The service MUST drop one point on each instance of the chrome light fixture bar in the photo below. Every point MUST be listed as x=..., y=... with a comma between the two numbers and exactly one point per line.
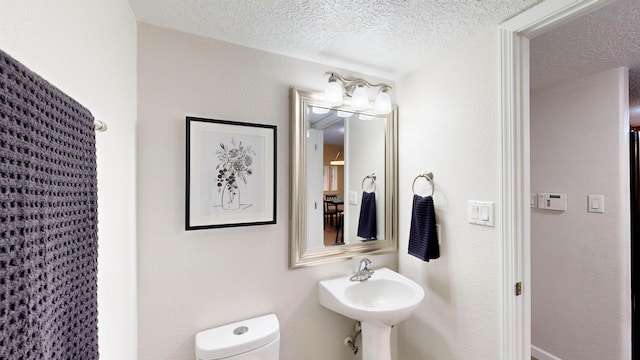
x=339, y=86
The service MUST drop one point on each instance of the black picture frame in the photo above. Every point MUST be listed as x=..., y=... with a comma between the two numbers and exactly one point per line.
x=231, y=170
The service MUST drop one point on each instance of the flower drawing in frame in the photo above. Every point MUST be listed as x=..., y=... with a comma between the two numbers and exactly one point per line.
x=235, y=164
x=231, y=174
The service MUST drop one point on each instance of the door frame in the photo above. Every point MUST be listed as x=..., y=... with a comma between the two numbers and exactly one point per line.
x=516, y=227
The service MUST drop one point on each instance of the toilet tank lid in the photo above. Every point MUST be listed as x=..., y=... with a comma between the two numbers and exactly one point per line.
x=237, y=338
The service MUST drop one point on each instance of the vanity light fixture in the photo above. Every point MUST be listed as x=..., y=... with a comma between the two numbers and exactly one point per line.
x=339, y=86
x=344, y=114
x=319, y=110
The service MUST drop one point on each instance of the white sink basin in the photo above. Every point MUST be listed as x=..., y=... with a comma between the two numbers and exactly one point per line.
x=385, y=299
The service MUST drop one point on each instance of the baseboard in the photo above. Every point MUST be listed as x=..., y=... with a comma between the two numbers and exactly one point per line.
x=542, y=355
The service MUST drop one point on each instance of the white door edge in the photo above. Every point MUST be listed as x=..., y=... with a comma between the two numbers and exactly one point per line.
x=514, y=63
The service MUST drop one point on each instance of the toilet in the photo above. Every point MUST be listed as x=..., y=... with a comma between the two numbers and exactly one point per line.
x=252, y=339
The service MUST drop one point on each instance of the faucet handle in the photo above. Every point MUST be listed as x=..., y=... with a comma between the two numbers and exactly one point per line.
x=364, y=263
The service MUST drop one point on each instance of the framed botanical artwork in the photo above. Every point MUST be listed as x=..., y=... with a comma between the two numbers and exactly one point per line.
x=231, y=174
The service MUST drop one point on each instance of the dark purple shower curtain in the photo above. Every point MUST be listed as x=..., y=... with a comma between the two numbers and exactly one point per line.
x=48, y=221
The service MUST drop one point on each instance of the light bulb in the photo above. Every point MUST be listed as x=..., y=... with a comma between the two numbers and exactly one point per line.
x=333, y=93
x=359, y=99
x=319, y=110
x=383, y=102
x=344, y=114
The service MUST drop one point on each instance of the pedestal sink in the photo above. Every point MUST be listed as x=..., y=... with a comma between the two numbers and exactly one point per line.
x=380, y=302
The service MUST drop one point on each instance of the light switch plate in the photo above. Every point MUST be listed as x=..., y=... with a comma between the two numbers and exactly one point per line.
x=595, y=204
x=481, y=213
x=353, y=198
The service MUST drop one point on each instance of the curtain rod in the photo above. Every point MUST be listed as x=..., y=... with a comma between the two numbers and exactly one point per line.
x=100, y=125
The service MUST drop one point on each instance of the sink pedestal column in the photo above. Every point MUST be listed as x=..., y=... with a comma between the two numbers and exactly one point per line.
x=376, y=342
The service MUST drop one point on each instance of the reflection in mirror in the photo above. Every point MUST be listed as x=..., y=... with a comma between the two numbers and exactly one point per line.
x=343, y=181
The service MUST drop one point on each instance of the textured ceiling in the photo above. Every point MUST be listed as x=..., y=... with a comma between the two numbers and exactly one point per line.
x=386, y=38
x=392, y=38
x=601, y=40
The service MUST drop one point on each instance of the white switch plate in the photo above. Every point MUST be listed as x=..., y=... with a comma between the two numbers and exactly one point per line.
x=353, y=198
x=481, y=213
x=595, y=204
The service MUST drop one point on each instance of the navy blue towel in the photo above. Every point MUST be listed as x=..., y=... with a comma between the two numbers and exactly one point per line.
x=423, y=238
x=367, y=225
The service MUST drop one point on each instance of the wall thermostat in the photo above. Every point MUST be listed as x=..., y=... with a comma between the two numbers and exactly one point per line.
x=552, y=201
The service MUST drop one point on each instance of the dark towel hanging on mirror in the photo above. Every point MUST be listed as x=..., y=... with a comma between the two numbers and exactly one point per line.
x=367, y=225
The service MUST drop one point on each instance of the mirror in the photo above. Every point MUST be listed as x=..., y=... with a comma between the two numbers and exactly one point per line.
x=341, y=162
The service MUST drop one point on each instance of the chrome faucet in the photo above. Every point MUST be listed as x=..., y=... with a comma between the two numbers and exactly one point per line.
x=364, y=272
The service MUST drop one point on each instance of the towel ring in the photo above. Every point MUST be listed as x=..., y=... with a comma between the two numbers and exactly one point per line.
x=429, y=177
x=371, y=177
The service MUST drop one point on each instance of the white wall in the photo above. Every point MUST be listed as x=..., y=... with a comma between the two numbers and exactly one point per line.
x=580, y=284
x=88, y=50
x=193, y=280
x=450, y=125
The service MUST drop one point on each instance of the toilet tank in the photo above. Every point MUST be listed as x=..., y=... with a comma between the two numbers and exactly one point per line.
x=252, y=339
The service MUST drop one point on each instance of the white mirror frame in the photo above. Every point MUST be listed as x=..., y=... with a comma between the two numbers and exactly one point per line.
x=299, y=255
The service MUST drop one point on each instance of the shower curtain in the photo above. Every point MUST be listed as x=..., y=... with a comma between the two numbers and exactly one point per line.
x=48, y=221
x=635, y=230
